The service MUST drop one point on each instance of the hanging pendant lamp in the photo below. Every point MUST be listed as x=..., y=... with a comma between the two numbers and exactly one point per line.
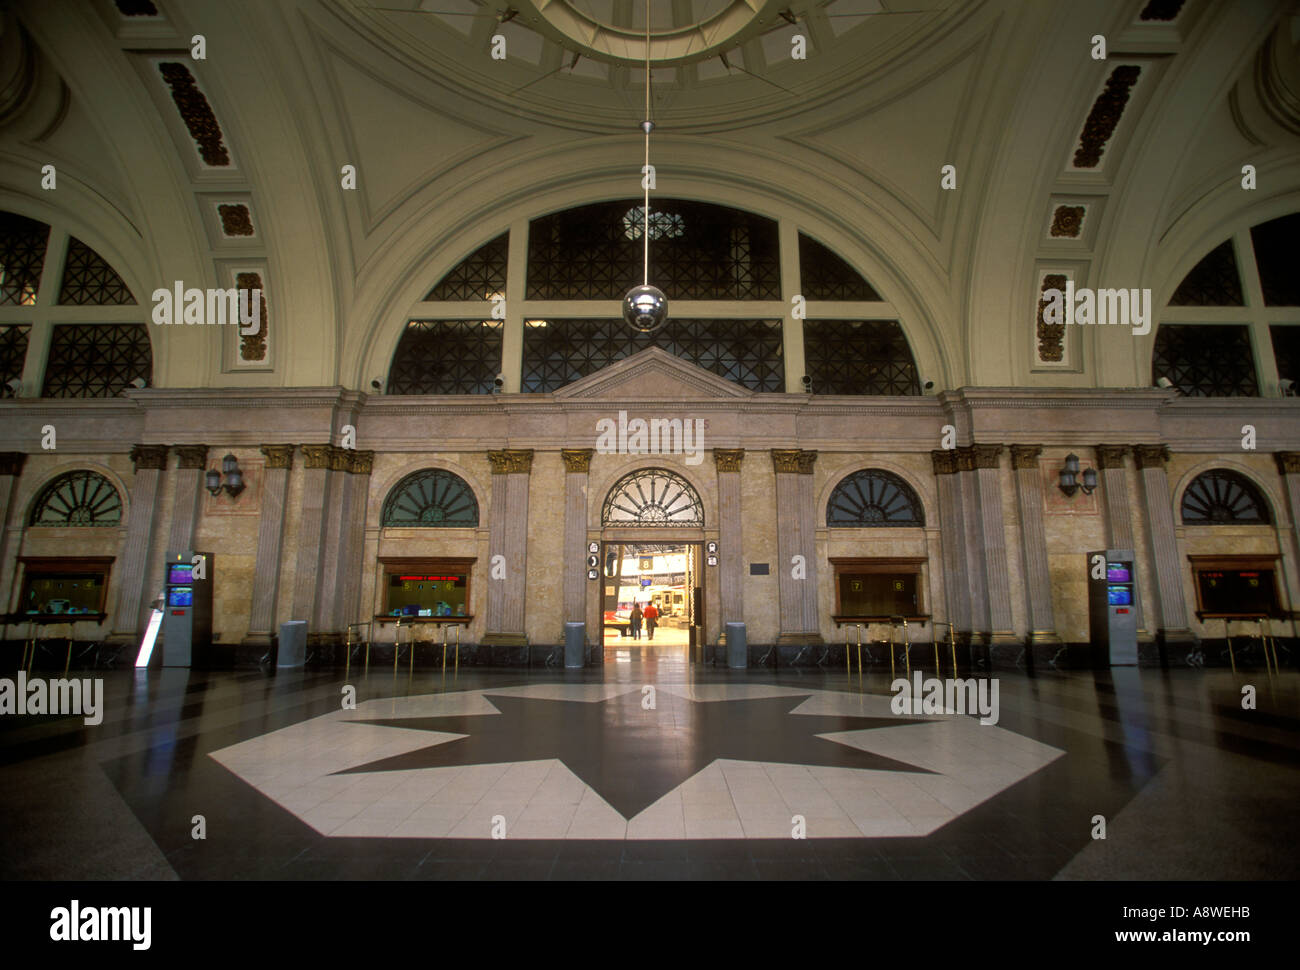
x=645, y=308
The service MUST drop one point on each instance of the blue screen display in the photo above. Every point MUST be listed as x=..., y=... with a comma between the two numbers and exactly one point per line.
x=180, y=596
x=1119, y=596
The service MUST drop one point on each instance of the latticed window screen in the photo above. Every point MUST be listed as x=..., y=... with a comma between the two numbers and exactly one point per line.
x=748, y=352
x=23, y=243
x=698, y=251
x=1221, y=496
x=13, y=355
x=859, y=357
x=447, y=357
x=653, y=497
x=433, y=499
x=479, y=276
x=1214, y=281
x=88, y=280
x=80, y=498
x=1275, y=254
x=824, y=276
x=97, y=359
x=1204, y=360
x=873, y=498
x=1286, y=350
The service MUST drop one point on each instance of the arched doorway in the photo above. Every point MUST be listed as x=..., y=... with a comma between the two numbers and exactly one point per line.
x=653, y=567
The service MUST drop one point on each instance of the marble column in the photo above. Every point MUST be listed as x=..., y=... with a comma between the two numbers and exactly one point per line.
x=191, y=465
x=135, y=589
x=731, y=553
x=993, y=541
x=1288, y=466
x=953, y=542
x=508, y=539
x=789, y=543
x=317, y=483
x=11, y=467
x=346, y=588
x=976, y=578
x=808, y=547
x=323, y=621
x=1033, y=541
x=270, y=543
x=1114, y=493
x=1172, y=626
x=577, y=467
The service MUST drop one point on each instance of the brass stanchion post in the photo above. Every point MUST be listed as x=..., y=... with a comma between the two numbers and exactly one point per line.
x=1231, y=657
x=457, y=670
x=859, y=626
x=952, y=642
x=397, y=644
x=891, y=649
x=907, y=649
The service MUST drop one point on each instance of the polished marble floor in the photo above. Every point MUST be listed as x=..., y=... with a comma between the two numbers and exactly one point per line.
x=651, y=768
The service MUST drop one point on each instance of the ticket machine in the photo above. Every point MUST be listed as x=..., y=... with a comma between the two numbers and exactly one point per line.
x=187, y=609
x=1112, y=606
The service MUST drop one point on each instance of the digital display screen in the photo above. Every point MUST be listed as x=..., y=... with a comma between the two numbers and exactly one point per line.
x=1119, y=596
x=1117, y=572
x=179, y=574
x=180, y=596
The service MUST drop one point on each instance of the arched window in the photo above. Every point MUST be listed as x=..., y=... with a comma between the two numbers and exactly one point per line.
x=62, y=323
x=431, y=499
x=75, y=499
x=700, y=253
x=873, y=498
x=1219, y=496
x=653, y=497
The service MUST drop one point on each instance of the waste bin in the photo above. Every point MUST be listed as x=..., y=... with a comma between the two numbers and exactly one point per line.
x=575, y=644
x=737, y=647
x=292, y=651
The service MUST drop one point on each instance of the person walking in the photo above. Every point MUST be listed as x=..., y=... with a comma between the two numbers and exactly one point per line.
x=651, y=614
x=636, y=621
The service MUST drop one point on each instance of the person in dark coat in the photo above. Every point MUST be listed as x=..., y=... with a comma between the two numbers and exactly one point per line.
x=636, y=621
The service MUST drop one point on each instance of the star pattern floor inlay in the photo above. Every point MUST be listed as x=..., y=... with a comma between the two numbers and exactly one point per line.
x=556, y=761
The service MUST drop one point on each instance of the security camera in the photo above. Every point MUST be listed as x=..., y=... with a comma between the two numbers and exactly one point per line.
x=139, y=383
x=1287, y=387
x=807, y=383
x=14, y=385
x=498, y=382
x=377, y=384
x=927, y=385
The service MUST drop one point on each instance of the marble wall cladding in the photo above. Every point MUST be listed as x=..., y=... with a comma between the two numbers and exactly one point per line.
x=1014, y=545
x=289, y=548
x=1073, y=528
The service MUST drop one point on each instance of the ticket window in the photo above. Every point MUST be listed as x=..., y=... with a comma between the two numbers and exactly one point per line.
x=878, y=594
x=1224, y=589
x=427, y=589
x=74, y=587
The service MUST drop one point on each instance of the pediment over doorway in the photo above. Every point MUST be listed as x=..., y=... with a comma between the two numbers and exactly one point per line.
x=653, y=374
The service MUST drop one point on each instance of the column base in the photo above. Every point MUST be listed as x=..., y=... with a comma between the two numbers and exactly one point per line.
x=255, y=641
x=1180, y=636
x=801, y=639
x=504, y=640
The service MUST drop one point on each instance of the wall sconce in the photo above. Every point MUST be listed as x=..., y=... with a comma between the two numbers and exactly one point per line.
x=234, y=478
x=1070, y=477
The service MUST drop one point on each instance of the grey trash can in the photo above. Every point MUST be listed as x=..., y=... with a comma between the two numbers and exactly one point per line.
x=575, y=644
x=737, y=647
x=292, y=651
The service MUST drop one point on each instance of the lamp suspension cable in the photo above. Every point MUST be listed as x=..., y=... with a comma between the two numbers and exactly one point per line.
x=645, y=172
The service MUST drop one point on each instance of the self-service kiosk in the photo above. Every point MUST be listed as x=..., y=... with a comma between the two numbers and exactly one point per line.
x=1112, y=606
x=187, y=609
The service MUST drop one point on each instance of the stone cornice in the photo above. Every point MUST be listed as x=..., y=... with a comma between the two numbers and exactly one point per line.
x=577, y=460
x=1111, y=456
x=1025, y=456
x=191, y=457
x=728, y=459
x=279, y=456
x=511, y=460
